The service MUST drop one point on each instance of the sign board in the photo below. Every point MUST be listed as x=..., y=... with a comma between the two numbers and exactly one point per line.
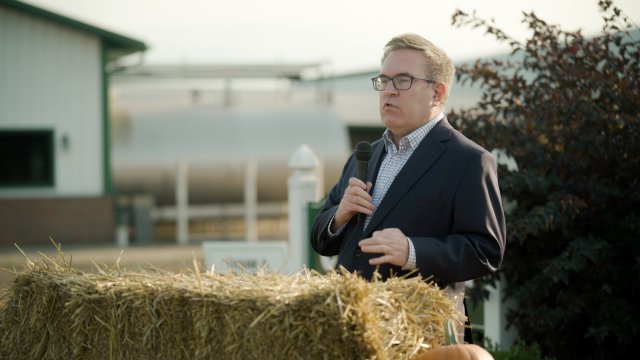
x=238, y=256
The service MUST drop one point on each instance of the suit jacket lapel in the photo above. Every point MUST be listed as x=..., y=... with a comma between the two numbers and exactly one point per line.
x=422, y=159
x=375, y=161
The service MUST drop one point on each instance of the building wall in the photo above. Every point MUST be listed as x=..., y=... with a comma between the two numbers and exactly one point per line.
x=50, y=78
x=76, y=220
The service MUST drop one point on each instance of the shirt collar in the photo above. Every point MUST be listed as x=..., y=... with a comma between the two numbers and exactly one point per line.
x=411, y=140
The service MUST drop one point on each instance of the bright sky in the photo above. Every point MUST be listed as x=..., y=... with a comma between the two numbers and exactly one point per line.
x=349, y=34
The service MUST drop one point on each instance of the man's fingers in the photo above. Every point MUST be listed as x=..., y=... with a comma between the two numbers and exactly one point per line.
x=358, y=192
x=386, y=259
x=362, y=202
x=376, y=249
x=394, y=259
x=390, y=243
x=357, y=187
x=357, y=203
x=356, y=198
x=357, y=183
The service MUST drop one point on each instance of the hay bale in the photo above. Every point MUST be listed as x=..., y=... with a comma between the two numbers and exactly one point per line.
x=56, y=312
x=3, y=351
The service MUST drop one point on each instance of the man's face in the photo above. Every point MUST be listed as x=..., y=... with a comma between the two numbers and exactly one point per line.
x=403, y=111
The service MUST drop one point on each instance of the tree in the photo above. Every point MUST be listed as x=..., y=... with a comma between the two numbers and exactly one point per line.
x=566, y=108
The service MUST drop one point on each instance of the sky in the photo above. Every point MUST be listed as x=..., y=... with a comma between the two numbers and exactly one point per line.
x=346, y=35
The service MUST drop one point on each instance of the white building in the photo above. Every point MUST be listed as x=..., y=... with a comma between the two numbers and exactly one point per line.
x=55, y=173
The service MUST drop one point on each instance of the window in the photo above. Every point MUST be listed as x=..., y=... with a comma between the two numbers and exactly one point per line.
x=364, y=133
x=26, y=158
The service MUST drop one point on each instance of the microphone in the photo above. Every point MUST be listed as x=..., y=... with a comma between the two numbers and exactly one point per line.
x=363, y=154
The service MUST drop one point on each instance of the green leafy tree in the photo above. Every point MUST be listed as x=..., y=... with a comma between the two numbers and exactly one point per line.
x=566, y=109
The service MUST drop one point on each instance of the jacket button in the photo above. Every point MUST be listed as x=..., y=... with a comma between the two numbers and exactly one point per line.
x=358, y=252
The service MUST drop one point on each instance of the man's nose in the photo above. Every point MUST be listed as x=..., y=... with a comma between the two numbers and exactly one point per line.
x=390, y=88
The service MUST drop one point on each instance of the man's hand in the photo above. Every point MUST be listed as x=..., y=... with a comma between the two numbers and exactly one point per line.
x=391, y=243
x=356, y=199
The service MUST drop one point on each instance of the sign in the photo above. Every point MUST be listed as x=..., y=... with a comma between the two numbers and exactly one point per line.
x=244, y=256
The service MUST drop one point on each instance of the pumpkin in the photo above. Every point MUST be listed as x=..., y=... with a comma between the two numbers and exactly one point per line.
x=454, y=350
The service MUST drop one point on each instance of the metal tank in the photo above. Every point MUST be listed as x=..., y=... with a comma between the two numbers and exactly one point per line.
x=217, y=143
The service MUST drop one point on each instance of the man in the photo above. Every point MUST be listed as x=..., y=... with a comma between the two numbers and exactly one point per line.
x=431, y=202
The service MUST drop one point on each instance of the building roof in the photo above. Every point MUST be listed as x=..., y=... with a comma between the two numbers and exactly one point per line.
x=220, y=71
x=117, y=45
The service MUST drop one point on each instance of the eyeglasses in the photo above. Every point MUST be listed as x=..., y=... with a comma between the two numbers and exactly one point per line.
x=400, y=82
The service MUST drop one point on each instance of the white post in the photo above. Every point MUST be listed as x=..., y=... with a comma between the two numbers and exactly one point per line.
x=122, y=235
x=302, y=184
x=122, y=228
x=251, y=201
x=495, y=324
x=182, y=202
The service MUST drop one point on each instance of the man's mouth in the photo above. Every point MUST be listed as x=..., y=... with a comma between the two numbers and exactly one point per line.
x=388, y=105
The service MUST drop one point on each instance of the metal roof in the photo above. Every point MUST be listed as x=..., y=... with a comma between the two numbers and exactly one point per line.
x=117, y=45
x=220, y=71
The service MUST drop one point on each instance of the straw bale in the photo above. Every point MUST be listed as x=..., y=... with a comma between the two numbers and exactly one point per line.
x=54, y=311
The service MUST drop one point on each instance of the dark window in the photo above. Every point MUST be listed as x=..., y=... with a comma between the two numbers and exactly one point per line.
x=364, y=133
x=26, y=158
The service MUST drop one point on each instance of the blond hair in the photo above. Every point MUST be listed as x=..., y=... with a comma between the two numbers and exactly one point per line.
x=439, y=66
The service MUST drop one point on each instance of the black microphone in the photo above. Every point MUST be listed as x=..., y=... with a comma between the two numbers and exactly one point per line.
x=363, y=154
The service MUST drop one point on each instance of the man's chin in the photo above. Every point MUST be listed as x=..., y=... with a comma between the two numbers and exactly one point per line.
x=390, y=122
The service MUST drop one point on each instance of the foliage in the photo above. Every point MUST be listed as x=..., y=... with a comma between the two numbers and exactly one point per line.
x=566, y=108
x=519, y=351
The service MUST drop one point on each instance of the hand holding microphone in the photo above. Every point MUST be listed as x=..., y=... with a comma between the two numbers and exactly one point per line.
x=356, y=198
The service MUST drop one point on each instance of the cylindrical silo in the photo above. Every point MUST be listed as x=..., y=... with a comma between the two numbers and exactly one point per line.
x=217, y=143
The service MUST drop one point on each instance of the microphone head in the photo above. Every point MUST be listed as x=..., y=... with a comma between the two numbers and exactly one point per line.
x=363, y=151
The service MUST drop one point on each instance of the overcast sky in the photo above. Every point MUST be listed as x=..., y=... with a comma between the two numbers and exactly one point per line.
x=348, y=34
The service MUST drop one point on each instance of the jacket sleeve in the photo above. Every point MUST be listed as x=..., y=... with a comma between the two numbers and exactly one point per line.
x=321, y=242
x=476, y=241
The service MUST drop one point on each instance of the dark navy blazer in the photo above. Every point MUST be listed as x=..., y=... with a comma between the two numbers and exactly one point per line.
x=446, y=199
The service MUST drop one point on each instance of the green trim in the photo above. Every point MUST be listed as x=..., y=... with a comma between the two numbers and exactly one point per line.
x=52, y=157
x=450, y=332
x=106, y=129
x=313, y=259
x=117, y=44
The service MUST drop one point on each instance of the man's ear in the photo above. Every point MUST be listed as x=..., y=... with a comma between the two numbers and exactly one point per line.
x=439, y=91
